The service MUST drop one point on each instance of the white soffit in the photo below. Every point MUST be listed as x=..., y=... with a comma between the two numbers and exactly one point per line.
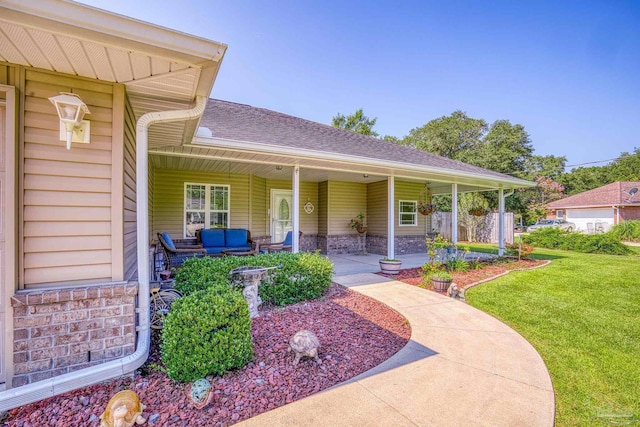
x=161, y=68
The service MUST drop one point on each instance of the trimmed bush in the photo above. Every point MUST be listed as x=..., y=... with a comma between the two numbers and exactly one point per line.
x=628, y=231
x=207, y=332
x=555, y=238
x=302, y=276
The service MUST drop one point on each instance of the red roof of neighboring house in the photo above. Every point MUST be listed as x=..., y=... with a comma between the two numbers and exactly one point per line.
x=614, y=194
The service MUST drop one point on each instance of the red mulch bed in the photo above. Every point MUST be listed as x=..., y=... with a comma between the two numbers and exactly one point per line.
x=413, y=276
x=356, y=333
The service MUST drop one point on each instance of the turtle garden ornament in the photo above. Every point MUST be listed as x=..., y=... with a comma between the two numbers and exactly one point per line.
x=304, y=343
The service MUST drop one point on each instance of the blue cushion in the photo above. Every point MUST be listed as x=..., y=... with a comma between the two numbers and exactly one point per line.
x=168, y=241
x=214, y=249
x=288, y=240
x=212, y=237
x=236, y=237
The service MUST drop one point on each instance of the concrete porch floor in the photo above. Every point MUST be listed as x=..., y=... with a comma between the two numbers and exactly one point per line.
x=347, y=264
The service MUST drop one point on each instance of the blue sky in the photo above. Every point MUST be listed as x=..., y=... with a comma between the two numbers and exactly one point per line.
x=568, y=71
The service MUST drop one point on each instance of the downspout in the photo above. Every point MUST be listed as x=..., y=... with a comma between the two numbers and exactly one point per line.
x=29, y=393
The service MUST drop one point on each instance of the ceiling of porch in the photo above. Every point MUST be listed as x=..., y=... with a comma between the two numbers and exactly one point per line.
x=279, y=167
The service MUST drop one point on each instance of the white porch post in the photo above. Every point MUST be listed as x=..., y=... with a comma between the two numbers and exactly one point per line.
x=391, y=218
x=454, y=213
x=501, y=222
x=391, y=231
x=295, y=201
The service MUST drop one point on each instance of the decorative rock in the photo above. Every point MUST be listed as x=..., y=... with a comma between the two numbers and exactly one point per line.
x=200, y=393
x=123, y=410
x=304, y=343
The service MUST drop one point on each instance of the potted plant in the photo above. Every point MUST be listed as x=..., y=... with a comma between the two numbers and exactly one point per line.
x=426, y=208
x=357, y=223
x=441, y=280
x=477, y=211
x=425, y=205
x=390, y=266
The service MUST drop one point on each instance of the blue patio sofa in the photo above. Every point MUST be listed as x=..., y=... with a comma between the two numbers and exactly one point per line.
x=216, y=240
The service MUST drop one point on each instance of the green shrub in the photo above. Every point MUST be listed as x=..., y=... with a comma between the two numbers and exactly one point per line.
x=554, y=238
x=206, y=333
x=457, y=264
x=628, y=231
x=301, y=276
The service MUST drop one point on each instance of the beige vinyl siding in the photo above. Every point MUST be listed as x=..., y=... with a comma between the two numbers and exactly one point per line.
x=346, y=200
x=168, y=200
x=67, y=192
x=409, y=191
x=259, y=219
x=129, y=195
x=377, y=208
x=309, y=193
x=322, y=207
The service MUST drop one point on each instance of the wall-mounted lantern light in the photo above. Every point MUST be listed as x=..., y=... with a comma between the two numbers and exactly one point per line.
x=71, y=110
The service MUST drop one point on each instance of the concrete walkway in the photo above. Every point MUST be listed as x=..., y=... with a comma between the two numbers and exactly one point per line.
x=461, y=367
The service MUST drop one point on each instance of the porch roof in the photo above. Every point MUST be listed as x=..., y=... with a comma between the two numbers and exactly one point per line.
x=162, y=69
x=269, y=136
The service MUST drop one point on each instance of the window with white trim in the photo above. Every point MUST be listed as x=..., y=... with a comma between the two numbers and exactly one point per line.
x=560, y=214
x=407, y=213
x=205, y=206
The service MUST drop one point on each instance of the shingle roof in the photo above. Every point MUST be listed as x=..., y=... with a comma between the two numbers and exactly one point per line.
x=616, y=193
x=240, y=122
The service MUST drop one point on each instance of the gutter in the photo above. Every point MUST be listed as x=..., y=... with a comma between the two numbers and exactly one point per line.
x=34, y=392
x=295, y=152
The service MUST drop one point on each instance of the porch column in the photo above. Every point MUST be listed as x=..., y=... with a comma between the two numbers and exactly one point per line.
x=391, y=218
x=295, y=201
x=454, y=213
x=501, y=222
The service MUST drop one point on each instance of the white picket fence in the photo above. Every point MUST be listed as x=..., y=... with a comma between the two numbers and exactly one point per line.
x=487, y=230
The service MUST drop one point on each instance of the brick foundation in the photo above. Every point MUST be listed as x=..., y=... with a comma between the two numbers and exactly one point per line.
x=60, y=331
x=403, y=244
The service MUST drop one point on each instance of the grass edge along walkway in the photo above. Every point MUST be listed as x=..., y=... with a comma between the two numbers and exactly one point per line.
x=582, y=314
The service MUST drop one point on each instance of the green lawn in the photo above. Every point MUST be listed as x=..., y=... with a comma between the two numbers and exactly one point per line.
x=582, y=314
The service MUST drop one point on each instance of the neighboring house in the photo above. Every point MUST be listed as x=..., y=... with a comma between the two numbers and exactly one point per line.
x=601, y=208
x=78, y=225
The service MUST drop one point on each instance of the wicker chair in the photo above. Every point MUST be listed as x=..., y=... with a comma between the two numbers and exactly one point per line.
x=285, y=245
x=175, y=255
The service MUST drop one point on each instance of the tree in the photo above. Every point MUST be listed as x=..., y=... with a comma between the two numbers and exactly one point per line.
x=457, y=136
x=549, y=166
x=583, y=179
x=626, y=167
x=545, y=192
x=505, y=148
x=356, y=122
x=470, y=222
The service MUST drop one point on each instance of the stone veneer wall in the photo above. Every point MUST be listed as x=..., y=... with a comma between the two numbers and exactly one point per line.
x=60, y=331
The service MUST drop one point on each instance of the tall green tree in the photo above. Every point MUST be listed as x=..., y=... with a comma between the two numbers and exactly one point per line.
x=457, y=136
x=356, y=122
x=505, y=148
x=626, y=167
x=550, y=166
x=582, y=179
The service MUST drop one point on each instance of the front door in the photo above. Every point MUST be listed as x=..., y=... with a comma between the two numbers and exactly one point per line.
x=281, y=214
